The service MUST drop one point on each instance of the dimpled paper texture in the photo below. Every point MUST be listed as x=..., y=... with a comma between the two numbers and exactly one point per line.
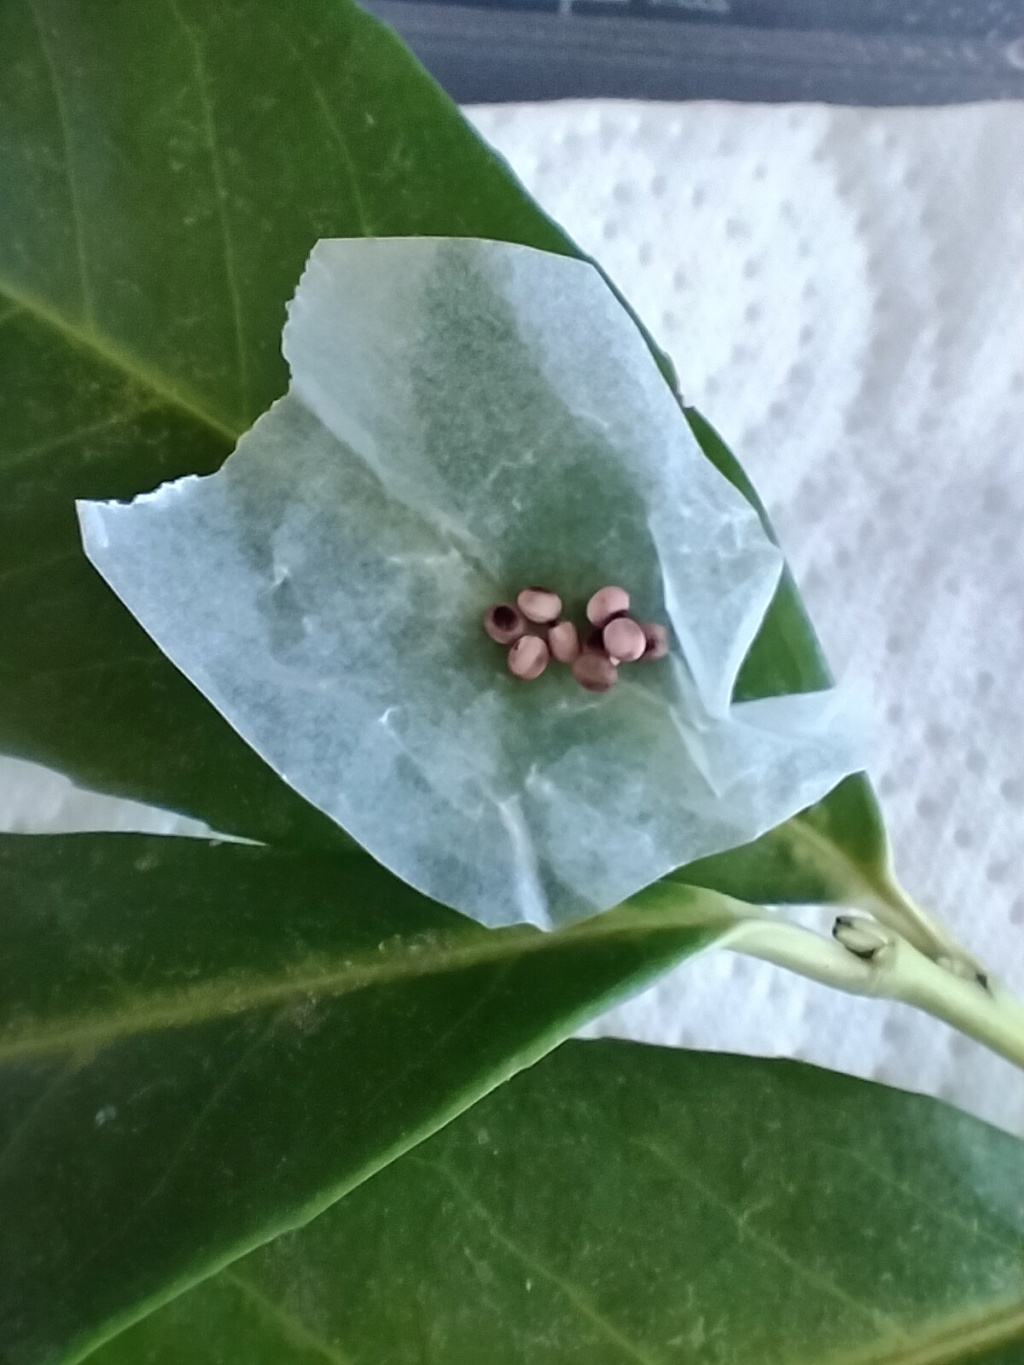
x=465, y=418
x=841, y=290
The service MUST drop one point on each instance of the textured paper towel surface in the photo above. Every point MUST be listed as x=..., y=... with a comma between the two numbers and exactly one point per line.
x=842, y=293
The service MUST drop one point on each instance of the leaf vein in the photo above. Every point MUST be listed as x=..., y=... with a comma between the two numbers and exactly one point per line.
x=114, y=664
x=221, y=199
x=744, y=1231
x=20, y=1132
x=933, y=1208
x=77, y=219
x=90, y=340
x=8, y=459
x=33, y=566
x=337, y=135
x=214, y=1101
x=950, y=1341
x=580, y=1301
x=290, y=1327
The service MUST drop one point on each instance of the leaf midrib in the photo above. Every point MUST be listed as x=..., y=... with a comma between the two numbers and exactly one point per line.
x=222, y=997
x=950, y=1341
x=829, y=855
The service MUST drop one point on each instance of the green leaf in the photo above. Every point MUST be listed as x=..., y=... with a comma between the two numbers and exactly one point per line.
x=167, y=167
x=628, y=1205
x=203, y=1044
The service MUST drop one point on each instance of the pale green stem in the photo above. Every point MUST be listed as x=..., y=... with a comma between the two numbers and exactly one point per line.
x=897, y=971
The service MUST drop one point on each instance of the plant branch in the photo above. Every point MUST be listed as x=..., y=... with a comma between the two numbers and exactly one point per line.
x=865, y=959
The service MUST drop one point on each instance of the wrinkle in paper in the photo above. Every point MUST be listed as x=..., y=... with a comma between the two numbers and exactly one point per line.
x=467, y=417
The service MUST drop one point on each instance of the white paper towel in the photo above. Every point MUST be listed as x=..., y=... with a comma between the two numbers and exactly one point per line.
x=842, y=293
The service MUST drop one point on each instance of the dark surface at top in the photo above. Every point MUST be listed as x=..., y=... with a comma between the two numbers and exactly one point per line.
x=840, y=51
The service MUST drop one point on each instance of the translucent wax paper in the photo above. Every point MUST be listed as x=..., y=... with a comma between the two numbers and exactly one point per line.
x=466, y=418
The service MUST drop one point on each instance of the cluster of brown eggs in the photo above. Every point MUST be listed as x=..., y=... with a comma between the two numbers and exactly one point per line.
x=535, y=633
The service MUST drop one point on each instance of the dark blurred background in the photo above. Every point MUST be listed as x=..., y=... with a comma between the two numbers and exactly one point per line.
x=872, y=52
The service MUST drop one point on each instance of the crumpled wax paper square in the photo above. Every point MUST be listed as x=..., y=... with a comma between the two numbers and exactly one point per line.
x=465, y=418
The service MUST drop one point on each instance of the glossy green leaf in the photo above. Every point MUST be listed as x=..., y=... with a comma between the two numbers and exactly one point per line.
x=629, y=1205
x=202, y=1044
x=167, y=166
